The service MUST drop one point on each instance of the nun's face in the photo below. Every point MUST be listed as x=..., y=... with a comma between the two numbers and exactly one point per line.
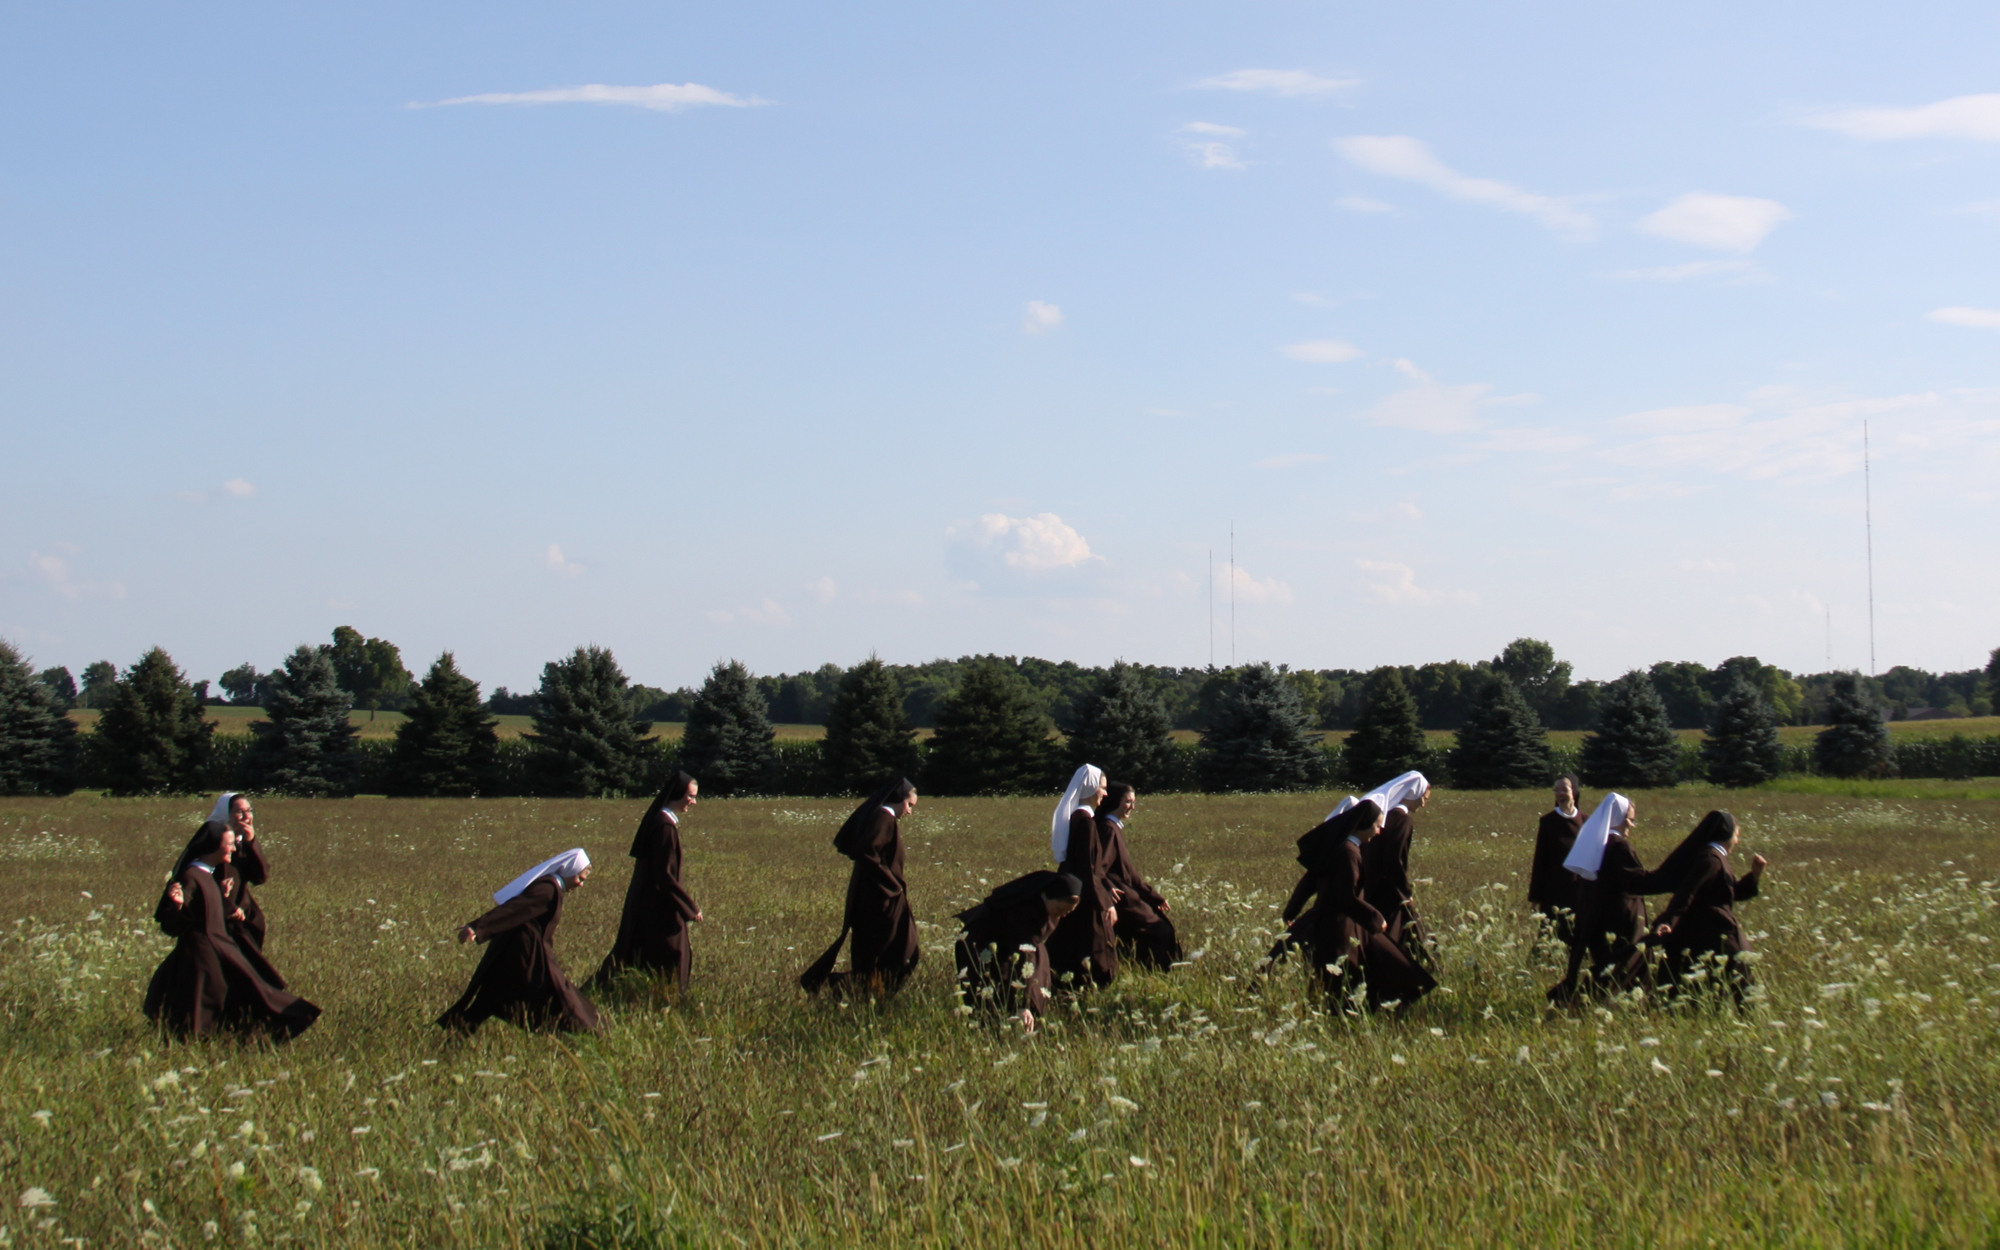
x=1126, y=804
x=693, y=797
x=1097, y=799
x=228, y=846
x=1060, y=906
x=908, y=805
x=1565, y=797
x=1631, y=820
x=240, y=817
x=578, y=879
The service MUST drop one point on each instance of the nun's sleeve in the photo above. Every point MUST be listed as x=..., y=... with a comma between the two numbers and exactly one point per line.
x=515, y=912
x=250, y=863
x=1746, y=887
x=1705, y=870
x=175, y=921
x=1301, y=893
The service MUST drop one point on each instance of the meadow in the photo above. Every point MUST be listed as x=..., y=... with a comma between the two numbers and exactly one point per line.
x=1853, y=1104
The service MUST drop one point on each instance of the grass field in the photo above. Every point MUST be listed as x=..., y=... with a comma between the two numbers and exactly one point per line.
x=1855, y=1104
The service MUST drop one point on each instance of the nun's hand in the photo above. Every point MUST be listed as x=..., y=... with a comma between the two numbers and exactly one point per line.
x=466, y=934
x=1027, y=1021
x=1165, y=907
x=228, y=884
x=237, y=914
x=1757, y=863
x=174, y=893
x=1111, y=915
x=1381, y=926
x=698, y=917
x=1663, y=931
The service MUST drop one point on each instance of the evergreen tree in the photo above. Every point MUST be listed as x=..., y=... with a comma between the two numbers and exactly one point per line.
x=152, y=737
x=448, y=745
x=305, y=744
x=1741, y=748
x=1502, y=746
x=1121, y=726
x=37, y=737
x=1855, y=742
x=727, y=745
x=1260, y=737
x=586, y=742
x=61, y=685
x=869, y=741
x=1387, y=739
x=992, y=736
x=1633, y=746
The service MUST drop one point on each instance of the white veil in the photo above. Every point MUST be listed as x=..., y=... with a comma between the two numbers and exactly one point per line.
x=1390, y=795
x=562, y=867
x=1083, y=787
x=221, y=812
x=1588, y=852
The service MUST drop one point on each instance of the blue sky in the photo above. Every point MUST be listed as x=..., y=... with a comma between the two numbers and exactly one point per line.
x=792, y=332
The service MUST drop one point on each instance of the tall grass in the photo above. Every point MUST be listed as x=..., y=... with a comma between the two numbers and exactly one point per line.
x=1854, y=1103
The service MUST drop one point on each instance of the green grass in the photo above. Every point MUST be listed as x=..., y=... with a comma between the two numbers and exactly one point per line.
x=749, y=1115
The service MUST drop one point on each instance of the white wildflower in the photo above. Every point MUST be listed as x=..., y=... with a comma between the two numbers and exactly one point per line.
x=34, y=1198
x=1661, y=1067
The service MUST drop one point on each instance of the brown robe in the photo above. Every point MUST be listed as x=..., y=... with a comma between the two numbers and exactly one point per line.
x=1703, y=918
x=209, y=981
x=877, y=914
x=1347, y=946
x=1610, y=924
x=1314, y=848
x=653, y=929
x=1552, y=887
x=248, y=865
x=1142, y=925
x=519, y=979
x=1385, y=865
x=1003, y=955
x=1084, y=946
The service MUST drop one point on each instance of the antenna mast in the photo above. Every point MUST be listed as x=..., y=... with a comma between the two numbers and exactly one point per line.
x=1211, y=607
x=1868, y=515
x=1232, y=594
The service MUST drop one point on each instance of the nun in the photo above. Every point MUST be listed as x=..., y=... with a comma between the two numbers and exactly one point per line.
x=1003, y=955
x=1084, y=948
x=210, y=981
x=247, y=867
x=519, y=979
x=1312, y=844
x=1698, y=931
x=1552, y=887
x=653, y=929
x=878, y=899
x=1347, y=935
x=1386, y=862
x=1143, y=927
x=1610, y=907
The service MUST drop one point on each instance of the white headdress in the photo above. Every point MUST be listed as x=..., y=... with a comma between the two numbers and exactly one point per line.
x=1083, y=787
x=562, y=868
x=1390, y=795
x=221, y=812
x=1588, y=852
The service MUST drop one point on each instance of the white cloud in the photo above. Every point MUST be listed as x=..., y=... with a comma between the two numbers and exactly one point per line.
x=1290, y=460
x=1779, y=433
x=1400, y=156
x=554, y=561
x=1681, y=273
x=1686, y=419
x=1707, y=566
x=1168, y=412
x=55, y=570
x=1213, y=130
x=769, y=612
x=1961, y=117
x=1041, y=316
x=1722, y=223
x=663, y=97
x=1971, y=318
x=1251, y=589
x=1290, y=84
x=1432, y=406
x=238, y=488
x=1529, y=440
x=1363, y=204
x=822, y=589
x=1322, y=351
x=1214, y=154
x=1042, y=543
x=1394, y=583
x=1408, y=511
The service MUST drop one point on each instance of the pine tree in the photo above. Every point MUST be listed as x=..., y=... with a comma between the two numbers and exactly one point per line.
x=727, y=745
x=992, y=736
x=1260, y=737
x=1741, y=748
x=1633, y=746
x=1121, y=726
x=869, y=741
x=305, y=744
x=447, y=746
x=1502, y=746
x=152, y=737
x=1855, y=742
x=1387, y=740
x=586, y=742
x=38, y=752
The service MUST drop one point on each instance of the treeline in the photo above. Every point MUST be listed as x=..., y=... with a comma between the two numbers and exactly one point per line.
x=993, y=735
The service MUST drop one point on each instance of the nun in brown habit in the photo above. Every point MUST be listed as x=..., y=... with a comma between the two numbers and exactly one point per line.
x=247, y=866
x=1698, y=931
x=1143, y=928
x=1347, y=935
x=1084, y=947
x=1552, y=887
x=1385, y=863
x=519, y=979
x=1610, y=904
x=877, y=913
x=1003, y=956
x=210, y=981
x=653, y=929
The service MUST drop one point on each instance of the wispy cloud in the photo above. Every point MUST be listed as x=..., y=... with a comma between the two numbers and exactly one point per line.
x=1390, y=582
x=1290, y=460
x=1776, y=433
x=1434, y=407
x=1722, y=223
x=1322, y=351
x=1290, y=84
x=663, y=97
x=1252, y=589
x=1683, y=272
x=822, y=589
x=1970, y=318
x=1212, y=147
x=1961, y=117
x=1363, y=204
x=1040, y=317
x=555, y=562
x=1400, y=156
x=238, y=488
x=56, y=572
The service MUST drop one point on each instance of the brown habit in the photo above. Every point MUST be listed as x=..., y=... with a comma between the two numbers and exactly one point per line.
x=653, y=929
x=1003, y=956
x=209, y=981
x=1610, y=922
x=1703, y=917
x=248, y=865
x=1084, y=946
x=1142, y=925
x=519, y=979
x=1341, y=931
x=877, y=913
x=1552, y=887
x=1385, y=863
